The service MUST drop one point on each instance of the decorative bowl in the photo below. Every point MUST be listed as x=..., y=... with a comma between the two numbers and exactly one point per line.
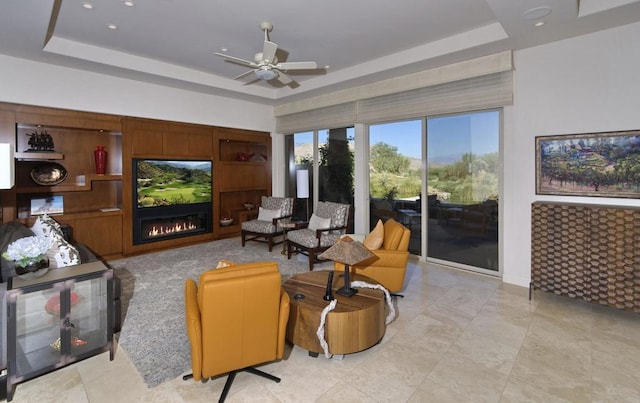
x=32, y=270
x=224, y=221
x=48, y=174
x=249, y=206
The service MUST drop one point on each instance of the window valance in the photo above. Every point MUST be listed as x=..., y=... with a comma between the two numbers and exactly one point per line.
x=476, y=84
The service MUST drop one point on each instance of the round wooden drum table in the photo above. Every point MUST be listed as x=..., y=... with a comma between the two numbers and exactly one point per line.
x=355, y=324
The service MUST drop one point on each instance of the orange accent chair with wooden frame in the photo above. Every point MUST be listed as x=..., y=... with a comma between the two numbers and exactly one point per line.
x=236, y=318
x=389, y=265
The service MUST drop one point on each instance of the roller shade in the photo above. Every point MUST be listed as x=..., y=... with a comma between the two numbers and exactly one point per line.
x=331, y=117
x=485, y=92
x=482, y=83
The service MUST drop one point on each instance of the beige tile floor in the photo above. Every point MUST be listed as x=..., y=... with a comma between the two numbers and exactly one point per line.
x=459, y=337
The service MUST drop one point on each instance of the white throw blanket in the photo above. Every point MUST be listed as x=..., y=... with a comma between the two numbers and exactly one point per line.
x=333, y=303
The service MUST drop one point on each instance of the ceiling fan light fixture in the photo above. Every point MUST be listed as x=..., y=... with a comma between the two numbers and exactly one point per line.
x=266, y=74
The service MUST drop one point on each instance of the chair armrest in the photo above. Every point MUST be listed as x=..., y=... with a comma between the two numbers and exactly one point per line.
x=386, y=258
x=320, y=231
x=194, y=327
x=275, y=220
x=282, y=322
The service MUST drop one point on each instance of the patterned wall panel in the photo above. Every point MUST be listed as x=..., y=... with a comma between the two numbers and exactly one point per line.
x=589, y=252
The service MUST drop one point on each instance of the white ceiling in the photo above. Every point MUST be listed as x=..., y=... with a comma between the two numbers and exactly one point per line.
x=172, y=42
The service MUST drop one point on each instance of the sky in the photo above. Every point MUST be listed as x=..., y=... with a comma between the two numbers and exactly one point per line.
x=449, y=136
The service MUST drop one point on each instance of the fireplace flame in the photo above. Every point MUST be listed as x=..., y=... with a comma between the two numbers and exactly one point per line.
x=161, y=230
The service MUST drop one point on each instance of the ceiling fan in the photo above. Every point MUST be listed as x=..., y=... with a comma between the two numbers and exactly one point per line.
x=265, y=65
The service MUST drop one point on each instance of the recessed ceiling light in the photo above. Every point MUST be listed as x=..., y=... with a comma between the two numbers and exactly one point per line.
x=536, y=13
x=88, y=6
x=112, y=26
x=128, y=3
x=538, y=24
x=224, y=49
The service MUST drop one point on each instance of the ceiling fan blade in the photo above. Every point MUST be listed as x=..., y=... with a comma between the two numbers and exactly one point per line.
x=283, y=78
x=246, y=73
x=237, y=60
x=297, y=66
x=269, y=51
x=252, y=81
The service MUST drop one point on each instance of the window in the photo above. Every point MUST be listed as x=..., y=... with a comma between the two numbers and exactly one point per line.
x=323, y=154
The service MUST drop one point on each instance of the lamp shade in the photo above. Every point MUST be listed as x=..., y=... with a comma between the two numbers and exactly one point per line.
x=347, y=251
x=7, y=164
x=302, y=184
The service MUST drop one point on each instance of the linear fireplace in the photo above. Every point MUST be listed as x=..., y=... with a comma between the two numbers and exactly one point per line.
x=154, y=229
x=172, y=199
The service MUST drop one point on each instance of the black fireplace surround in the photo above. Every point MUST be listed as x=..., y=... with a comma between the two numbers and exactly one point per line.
x=167, y=222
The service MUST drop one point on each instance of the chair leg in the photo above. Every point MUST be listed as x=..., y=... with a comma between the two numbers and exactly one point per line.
x=251, y=370
x=312, y=257
x=243, y=238
x=227, y=386
x=263, y=374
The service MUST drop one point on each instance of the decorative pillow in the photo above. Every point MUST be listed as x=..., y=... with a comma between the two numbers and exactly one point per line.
x=319, y=223
x=338, y=213
x=375, y=238
x=268, y=215
x=285, y=204
x=61, y=253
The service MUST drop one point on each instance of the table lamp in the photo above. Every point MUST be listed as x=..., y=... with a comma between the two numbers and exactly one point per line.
x=348, y=252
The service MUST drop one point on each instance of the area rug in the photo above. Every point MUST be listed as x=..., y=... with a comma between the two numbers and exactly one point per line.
x=153, y=325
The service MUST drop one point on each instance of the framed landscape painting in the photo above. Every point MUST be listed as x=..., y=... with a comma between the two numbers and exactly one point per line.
x=593, y=164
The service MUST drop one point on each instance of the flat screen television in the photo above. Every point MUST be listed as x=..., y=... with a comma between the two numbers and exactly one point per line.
x=161, y=183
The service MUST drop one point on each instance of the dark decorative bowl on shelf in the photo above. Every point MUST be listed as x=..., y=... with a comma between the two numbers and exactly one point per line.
x=249, y=206
x=32, y=270
x=48, y=174
x=225, y=221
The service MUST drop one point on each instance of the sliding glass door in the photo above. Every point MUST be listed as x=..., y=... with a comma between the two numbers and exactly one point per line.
x=395, y=176
x=463, y=179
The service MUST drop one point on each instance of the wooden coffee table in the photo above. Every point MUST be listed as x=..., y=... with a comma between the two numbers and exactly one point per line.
x=355, y=324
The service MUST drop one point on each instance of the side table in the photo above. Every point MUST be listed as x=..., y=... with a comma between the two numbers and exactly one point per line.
x=356, y=323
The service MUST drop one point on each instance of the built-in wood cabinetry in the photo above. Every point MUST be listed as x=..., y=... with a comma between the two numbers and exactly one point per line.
x=168, y=139
x=234, y=182
x=109, y=233
x=587, y=251
x=243, y=172
x=75, y=136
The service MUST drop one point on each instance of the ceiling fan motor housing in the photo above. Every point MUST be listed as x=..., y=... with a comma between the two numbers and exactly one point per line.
x=265, y=73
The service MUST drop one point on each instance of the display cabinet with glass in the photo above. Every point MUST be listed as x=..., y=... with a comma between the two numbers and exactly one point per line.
x=57, y=319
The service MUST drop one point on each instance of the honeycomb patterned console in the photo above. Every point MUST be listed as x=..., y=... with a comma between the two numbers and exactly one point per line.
x=589, y=252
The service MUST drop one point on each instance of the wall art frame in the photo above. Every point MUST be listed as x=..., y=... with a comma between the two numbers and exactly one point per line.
x=605, y=164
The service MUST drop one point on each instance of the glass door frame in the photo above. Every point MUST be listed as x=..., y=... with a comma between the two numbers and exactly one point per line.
x=362, y=184
x=455, y=265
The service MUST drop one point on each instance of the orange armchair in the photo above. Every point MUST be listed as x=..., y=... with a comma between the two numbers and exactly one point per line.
x=389, y=265
x=236, y=318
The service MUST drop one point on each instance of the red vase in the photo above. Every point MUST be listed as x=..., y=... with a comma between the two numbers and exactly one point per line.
x=100, y=157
